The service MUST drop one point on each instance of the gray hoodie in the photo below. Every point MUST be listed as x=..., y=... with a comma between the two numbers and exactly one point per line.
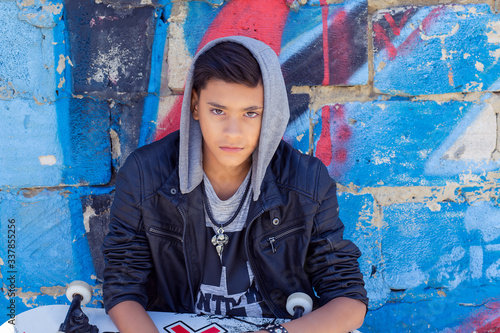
x=274, y=121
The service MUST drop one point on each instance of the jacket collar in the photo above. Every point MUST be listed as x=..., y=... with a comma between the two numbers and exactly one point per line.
x=270, y=195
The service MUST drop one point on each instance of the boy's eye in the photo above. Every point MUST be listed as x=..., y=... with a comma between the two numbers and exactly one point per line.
x=217, y=111
x=252, y=114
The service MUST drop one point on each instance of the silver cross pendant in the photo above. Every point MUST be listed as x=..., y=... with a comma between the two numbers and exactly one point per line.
x=219, y=240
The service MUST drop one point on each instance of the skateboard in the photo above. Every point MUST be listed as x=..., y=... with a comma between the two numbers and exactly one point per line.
x=72, y=319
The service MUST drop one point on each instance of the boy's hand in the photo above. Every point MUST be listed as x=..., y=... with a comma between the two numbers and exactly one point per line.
x=340, y=315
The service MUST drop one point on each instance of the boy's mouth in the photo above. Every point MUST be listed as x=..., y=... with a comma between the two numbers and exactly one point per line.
x=230, y=149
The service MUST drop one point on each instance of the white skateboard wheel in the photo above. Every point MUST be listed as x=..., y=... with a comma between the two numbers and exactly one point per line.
x=79, y=287
x=299, y=299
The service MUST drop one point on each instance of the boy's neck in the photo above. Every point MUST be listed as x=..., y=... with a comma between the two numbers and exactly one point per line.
x=226, y=182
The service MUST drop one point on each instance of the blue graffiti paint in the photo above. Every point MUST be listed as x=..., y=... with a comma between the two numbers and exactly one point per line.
x=30, y=151
x=300, y=29
x=200, y=16
x=150, y=113
x=26, y=69
x=454, y=51
x=394, y=142
x=45, y=239
x=83, y=132
x=357, y=213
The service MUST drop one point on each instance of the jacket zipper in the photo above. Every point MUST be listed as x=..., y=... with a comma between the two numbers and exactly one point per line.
x=267, y=299
x=184, y=250
x=273, y=239
x=159, y=232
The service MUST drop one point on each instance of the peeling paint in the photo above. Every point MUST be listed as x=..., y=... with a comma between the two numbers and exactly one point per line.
x=39, y=13
x=89, y=212
x=32, y=192
x=115, y=144
x=55, y=291
x=61, y=65
x=47, y=160
x=494, y=35
x=7, y=92
x=62, y=81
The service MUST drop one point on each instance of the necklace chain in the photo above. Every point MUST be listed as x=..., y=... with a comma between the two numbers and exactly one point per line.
x=209, y=209
x=220, y=238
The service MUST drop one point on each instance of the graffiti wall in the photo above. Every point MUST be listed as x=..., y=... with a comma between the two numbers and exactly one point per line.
x=399, y=100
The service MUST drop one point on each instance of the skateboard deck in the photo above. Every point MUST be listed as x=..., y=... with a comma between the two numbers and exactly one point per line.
x=47, y=319
x=74, y=318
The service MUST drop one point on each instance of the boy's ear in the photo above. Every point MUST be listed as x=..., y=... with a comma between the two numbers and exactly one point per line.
x=194, y=105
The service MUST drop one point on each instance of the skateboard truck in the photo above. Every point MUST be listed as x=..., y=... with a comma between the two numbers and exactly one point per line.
x=79, y=293
x=299, y=304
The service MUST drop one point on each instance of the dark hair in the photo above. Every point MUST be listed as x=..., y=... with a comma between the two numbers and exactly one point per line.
x=229, y=62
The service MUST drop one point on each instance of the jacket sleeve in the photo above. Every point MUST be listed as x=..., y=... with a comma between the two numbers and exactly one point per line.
x=126, y=250
x=332, y=261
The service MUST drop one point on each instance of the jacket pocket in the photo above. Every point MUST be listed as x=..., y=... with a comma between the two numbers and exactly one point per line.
x=274, y=240
x=164, y=233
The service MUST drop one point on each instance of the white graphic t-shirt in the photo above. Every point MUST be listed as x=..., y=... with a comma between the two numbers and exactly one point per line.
x=228, y=287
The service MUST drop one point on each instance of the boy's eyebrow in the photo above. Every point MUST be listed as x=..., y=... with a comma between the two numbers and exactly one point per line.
x=250, y=108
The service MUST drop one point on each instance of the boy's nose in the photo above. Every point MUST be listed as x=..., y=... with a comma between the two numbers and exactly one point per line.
x=233, y=128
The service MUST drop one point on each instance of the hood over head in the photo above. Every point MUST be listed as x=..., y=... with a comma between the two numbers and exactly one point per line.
x=274, y=118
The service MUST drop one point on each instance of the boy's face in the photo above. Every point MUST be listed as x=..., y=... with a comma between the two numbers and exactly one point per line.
x=230, y=117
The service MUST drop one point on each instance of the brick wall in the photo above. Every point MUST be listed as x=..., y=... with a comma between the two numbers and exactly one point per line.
x=397, y=97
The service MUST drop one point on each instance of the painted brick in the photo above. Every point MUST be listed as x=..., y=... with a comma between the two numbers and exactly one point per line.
x=103, y=63
x=358, y=215
x=61, y=143
x=126, y=120
x=436, y=50
x=437, y=262
x=51, y=248
x=27, y=65
x=110, y=48
x=460, y=243
x=96, y=220
x=305, y=37
x=27, y=124
x=400, y=143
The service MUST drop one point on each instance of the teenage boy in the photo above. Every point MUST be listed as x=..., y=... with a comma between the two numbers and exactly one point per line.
x=223, y=217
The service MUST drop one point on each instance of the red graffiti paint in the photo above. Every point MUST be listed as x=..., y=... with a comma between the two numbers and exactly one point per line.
x=485, y=321
x=343, y=133
x=324, y=145
x=335, y=134
x=340, y=50
x=171, y=122
x=382, y=38
x=396, y=27
x=415, y=37
x=340, y=155
x=260, y=19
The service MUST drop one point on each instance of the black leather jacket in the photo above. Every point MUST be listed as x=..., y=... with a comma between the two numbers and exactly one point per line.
x=293, y=237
